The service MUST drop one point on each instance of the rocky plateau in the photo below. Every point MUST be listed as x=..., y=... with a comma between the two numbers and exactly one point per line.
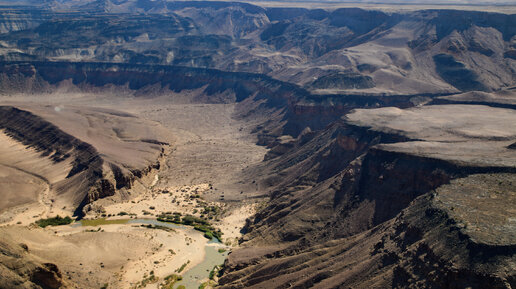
x=377, y=145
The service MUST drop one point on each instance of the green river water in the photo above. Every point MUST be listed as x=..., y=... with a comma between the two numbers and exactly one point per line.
x=191, y=278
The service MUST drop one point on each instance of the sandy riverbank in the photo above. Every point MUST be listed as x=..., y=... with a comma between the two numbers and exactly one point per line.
x=121, y=255
x=187, y=200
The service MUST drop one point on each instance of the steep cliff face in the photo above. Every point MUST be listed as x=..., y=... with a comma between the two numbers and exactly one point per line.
x=33, y=131
x=53, y=143
x=337, y=184
x=175, y=78
x=263, y=94
x=387, y=197
x=355, y=215
x=90, y=176
x=422, y=247
x=295, y=107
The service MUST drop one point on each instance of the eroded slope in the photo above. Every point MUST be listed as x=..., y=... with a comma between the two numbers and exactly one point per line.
x=75, y=172
x=376, y=204
x=346, y=50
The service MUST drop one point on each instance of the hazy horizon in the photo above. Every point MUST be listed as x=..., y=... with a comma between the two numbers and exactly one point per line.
x=392, y=2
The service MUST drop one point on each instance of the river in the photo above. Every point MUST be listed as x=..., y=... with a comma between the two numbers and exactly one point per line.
x=192, y=278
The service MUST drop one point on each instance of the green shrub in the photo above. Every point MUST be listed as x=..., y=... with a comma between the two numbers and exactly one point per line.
x=208, y=235
x=203, y=228
x=56, y=221
x=213, y=272
x=192, y=220
x=180, y=269
x=198, y=223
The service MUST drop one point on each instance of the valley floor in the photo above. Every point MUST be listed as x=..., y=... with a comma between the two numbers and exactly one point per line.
x=199, y=172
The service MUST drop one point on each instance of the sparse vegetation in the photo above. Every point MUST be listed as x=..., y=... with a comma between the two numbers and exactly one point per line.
x=216, y=271
x=102, y=221
x=169, y=281
x=211, y=211
x=180, y=269
x=158, y=227
x=146, y=281
x=208, y=235
x=212, y=273
x=56, y=221
x=199, y=224
x=126, y=214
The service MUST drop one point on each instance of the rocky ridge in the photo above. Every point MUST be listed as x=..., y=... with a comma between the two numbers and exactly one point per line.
x=391, y=160
x=329, y=220
x=89, y=177
x=364, y=51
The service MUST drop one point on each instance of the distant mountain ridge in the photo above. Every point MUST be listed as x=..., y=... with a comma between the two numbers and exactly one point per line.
x=341, y=51
x=403, y=2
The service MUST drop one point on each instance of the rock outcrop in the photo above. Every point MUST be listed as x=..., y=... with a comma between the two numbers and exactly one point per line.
x=369, y=203
x=90, y=176
x=19, y=269
x=391, y=160
x=339, y=51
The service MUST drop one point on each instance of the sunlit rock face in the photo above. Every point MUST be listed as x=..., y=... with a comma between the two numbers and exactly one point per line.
x=376, y=145
x=347, y=50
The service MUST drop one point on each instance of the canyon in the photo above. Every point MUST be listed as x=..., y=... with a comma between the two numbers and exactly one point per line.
x=332, y=147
